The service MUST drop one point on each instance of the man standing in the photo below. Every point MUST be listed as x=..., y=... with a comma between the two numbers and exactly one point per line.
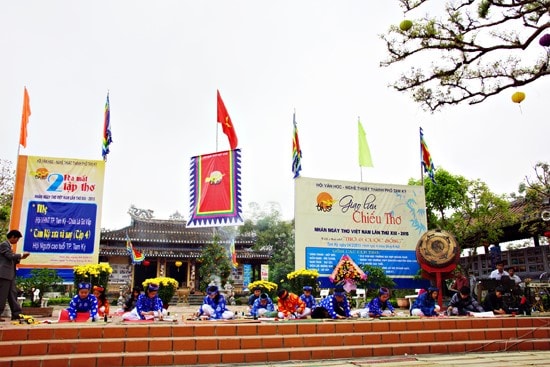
x=8, y=261
x=499, y=271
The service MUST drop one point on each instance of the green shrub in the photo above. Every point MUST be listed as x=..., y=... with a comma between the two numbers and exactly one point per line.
x=59, y=301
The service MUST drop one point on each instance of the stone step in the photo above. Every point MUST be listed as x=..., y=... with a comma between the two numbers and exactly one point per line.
x=246, y=341
x=192, y=300
x=194, y=343
x=216, y=357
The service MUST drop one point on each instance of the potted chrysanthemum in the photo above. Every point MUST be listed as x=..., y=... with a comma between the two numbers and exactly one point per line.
x=95, y=274
x=167, y=288
x=301, y=277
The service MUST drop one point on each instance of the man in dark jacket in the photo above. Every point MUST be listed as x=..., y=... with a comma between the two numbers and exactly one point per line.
x=8, y=261
x=462, y=303
x=494, y=302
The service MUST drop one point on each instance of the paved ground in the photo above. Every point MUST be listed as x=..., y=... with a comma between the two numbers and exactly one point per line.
x=500, y=359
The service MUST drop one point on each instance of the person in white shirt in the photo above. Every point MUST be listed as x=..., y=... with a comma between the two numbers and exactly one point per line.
x=499, y=271
x=512, y=274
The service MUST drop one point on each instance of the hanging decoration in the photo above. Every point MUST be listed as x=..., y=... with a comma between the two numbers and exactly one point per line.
x=216, y=190
x=405, y=25
x=178, y=265
x=518, y=97
x=545, y=40
x=146, y=263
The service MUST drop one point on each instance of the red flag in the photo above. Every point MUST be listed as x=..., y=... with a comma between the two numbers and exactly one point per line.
x=227, y=125
x=25, y=119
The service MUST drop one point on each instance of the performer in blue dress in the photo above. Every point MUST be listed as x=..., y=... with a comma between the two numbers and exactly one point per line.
x=308, y=298
x=335, y=306
x=263, y=307
x=214, y=306
x=148, y=306
x=381, y=305
x=83, y=306
x=425, y=304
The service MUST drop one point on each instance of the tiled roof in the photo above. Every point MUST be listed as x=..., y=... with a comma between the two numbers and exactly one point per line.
x=172, y=239
x=169, y=231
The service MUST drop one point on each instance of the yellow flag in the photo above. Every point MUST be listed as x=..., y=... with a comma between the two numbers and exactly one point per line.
x=365, y=159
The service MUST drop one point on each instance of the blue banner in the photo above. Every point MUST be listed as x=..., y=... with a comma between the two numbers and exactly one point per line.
x=393, y=262
x=60, y=227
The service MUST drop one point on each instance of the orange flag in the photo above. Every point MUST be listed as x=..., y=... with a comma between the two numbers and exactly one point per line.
x=227, y=125
x=25, y=119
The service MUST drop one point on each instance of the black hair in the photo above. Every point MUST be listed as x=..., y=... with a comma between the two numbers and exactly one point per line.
x=14, y=233
x=281, y=292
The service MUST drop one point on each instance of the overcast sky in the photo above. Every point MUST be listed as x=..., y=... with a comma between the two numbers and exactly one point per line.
x=162, y=62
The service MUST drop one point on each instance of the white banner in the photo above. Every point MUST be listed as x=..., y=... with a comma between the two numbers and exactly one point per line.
x=374, y=224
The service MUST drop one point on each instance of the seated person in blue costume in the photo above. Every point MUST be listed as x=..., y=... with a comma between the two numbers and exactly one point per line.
x=334, y=306
x=83, y=306
x=425, y=304
x=214, y=306
x=462, y=304
x=308, y=298
x=263, y=307
x=380, y=305
x=148, y=306
x=256, y=292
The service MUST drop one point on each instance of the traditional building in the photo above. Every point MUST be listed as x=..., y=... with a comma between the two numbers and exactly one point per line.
x=171, y=249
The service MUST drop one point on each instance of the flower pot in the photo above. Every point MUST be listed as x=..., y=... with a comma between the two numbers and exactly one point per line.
x=37, y=311
x=402, y=303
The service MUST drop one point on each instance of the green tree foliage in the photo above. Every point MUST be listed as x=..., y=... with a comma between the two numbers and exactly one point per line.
x=7, y=182
x=482, y=217
x=274, y=235
x=214, y=263
x=469, y=50
x=466, y=208
x=43, y=279
x=536, y=194
x=376, y=278
x=448, y=195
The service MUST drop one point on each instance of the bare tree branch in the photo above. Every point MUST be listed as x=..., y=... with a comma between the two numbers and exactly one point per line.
x=477, y=49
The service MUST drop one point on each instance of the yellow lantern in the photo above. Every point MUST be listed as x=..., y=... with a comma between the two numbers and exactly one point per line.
x=518, y=97
x=405, y=25
x=178, y=264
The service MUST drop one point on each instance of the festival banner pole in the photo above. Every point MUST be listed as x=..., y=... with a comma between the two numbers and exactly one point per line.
x=17, y=200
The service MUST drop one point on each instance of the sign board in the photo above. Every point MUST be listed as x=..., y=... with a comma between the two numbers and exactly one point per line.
x=374, y=224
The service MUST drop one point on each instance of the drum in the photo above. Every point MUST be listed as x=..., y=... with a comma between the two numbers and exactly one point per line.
x=437, y=249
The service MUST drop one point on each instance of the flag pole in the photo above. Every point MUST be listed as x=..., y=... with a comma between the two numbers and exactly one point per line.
x=217, y=122
x=17, y=200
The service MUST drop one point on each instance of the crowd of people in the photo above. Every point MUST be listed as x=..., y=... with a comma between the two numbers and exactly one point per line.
x=91, y=304
x=463, y=302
